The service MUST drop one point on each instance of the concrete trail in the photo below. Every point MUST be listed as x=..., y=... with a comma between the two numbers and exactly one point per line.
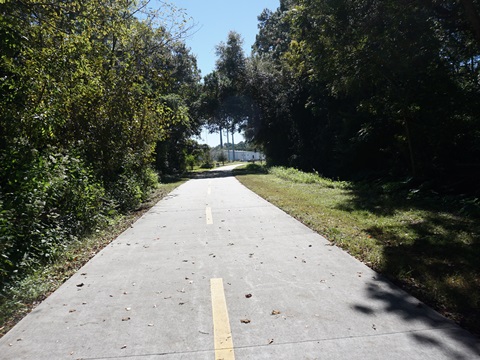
x=215, y=272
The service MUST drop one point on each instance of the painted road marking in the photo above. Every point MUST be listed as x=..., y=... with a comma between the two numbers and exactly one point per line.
x=208, y=215
x=209, y=191
x=221, y=324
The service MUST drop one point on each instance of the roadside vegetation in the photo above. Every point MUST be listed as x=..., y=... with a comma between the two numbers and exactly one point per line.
x=427, y=243
x=97, y=100
x=22, y=295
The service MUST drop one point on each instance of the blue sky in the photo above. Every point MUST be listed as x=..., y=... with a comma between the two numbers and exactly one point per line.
x=214, y=19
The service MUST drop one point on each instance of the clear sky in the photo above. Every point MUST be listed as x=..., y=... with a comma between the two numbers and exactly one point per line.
x=214, y=19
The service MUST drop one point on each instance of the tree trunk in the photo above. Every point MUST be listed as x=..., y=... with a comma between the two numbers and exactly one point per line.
x=228, y=151
x=410, y=148
x=233, y=144
x=221, y=138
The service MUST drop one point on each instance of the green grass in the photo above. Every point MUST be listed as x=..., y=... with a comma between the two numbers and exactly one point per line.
x=21, y=297
x=426, y=243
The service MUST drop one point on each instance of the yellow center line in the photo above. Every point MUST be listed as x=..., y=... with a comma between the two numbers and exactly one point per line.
x=221, y=324
x=208, y=215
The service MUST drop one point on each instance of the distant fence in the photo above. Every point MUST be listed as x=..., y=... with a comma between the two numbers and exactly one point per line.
x=240, y=155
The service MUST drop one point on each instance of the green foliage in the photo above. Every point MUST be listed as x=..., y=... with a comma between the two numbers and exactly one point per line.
x=223, y=103
x=191, y=161
x=47, y=200
x=87, y=92
x=368, y=89
x=222, y=157
x=297, y=176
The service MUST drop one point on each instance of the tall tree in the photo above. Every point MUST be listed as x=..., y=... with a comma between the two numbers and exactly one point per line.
x=368, y=87
x=223, y=99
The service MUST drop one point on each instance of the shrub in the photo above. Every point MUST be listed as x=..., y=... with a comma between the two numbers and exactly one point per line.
x=298, y=176
x=47, y=199
x=131, y=188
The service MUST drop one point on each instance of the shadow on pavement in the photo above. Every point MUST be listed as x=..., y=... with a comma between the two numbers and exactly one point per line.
x=432, y=327
x=433, y=251
x=212, y=174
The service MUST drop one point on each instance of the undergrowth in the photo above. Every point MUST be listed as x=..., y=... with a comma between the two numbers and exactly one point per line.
x=20, y=295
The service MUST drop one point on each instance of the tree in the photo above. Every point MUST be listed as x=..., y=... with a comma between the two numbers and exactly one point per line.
x=367, y=88
x=223, y=102
x=87, y=91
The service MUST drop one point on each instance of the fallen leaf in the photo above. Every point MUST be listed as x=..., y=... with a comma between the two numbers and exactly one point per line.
x=72, y=310
x=128, y=308
x=276, y=312
x=126, y=319
x=270, y=341
x=124, y=347
x=374, y=327
x=150, y=325
x=248, y=296
x=80, y=285
x=245, y=321
x=83, y=274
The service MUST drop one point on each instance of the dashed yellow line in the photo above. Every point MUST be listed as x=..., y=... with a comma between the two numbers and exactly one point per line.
x=221, y=324
x=208, y=215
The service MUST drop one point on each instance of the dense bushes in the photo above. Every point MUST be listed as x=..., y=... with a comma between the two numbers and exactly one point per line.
x=47, y=199
x=87, y=92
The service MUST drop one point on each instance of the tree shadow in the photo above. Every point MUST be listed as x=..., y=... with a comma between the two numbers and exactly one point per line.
x=434, y=255
x=211, y=174
x=428, y=327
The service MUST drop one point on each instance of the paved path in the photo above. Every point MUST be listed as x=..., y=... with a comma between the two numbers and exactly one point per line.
x=214, y=265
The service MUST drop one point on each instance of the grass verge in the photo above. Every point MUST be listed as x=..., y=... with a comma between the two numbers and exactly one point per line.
x=22, y=297
x=427, y=243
